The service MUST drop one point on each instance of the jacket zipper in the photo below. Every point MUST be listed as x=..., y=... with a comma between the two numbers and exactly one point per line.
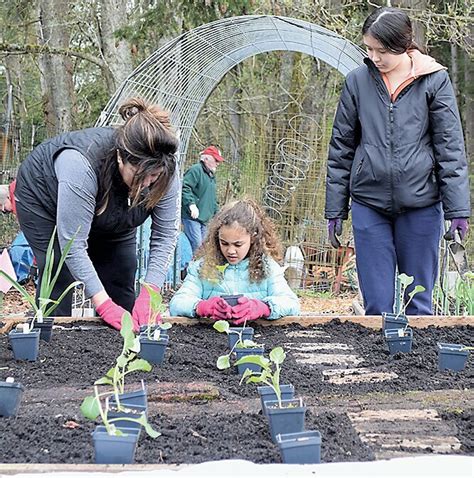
x=359, y=167
x=391, y=153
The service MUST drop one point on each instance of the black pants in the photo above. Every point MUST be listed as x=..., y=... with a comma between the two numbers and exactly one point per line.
x=114, y=258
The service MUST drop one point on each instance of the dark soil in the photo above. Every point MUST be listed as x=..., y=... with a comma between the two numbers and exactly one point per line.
x=76, y=357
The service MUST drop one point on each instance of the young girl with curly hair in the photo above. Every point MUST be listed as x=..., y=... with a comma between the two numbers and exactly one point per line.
x=238, y=256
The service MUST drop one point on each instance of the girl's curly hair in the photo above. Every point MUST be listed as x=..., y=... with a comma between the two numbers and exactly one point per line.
x=263, y=236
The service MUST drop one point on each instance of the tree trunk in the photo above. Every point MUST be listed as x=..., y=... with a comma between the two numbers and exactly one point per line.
x=469, y=111
x=117, y=53
x=454, y=69
x=56, y=70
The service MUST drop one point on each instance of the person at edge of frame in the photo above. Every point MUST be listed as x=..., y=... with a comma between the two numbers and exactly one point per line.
x=397, y=152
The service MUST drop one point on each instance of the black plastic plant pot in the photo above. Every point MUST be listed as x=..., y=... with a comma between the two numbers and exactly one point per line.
x=25, y=346
x=143, y=329
x=452, y=357
x=10, y=397
x=267, y=394
x=130, y=399
x=248, y=351
x=247, y=334
x=232, y=299
x=46, y=328
x=134, y=411
x=287, y=419
x=153, y=351
x=303, y=448
x=111, y=449
x=392, y=321
x=399, y=340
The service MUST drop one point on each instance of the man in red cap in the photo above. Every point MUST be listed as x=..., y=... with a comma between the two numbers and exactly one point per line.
x=199, y=200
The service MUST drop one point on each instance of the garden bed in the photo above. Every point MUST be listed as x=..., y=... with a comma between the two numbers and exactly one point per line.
x=366, y=403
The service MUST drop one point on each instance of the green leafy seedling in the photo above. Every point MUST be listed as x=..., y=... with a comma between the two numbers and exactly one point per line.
x=405, y=282
x=45, y=305
x=126, y=363
x=157, y=307
x=270, y=370
x=223, y=326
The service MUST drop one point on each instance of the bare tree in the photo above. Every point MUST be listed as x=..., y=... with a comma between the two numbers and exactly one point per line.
x=116, y=52
x=56, y=70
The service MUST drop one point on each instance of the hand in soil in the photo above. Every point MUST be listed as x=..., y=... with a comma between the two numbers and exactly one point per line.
x=111, y=313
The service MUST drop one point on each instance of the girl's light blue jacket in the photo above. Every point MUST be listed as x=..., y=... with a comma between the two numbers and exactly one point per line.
x=273, y=290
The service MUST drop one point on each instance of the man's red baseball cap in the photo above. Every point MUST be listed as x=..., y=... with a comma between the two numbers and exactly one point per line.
x=214, y=152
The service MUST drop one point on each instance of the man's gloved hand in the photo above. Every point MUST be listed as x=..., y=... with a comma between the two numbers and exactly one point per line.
x=334, y=230
x=459, y=224
x=193, y=209
x=141, y=309
x=216, y=308
x=111, y=313
x=249, y=309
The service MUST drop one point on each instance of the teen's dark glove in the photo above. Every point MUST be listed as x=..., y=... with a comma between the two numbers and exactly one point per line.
x=111, y=313
x=249, y=309
x=334, y=230
x=141, y=309
x=216, y=308
x=459, y=224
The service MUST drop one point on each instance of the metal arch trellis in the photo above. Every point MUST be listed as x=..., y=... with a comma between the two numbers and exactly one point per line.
x=182, y=74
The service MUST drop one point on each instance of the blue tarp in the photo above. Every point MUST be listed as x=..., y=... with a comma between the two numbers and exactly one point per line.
x=184, y=252
x=22, y=257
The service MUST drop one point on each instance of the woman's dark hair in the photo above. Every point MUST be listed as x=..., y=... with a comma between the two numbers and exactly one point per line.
x=147, y=141
x=392, y=28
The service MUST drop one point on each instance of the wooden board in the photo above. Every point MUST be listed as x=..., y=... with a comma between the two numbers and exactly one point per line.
x=369, y=321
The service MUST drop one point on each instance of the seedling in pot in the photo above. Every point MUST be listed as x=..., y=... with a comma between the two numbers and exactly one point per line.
x=45, y=306
x=270, y=370
x=400, y=320
x=228, y=295
x=155, y=327
x=92, y=407
x=405, y=282
x=223, y=361
x=126, y=363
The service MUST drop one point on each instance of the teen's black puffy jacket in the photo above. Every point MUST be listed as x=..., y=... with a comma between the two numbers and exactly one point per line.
x=395, y=156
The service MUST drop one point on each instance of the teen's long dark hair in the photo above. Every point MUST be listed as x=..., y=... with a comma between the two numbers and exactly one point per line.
x=147, y=141
x=392, y=28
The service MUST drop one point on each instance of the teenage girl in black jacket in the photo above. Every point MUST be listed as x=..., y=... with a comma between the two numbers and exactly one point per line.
x=397, y=151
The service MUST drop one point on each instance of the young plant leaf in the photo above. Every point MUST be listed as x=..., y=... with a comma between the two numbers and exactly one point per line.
x=254, y=359
x=223, y=362
x=221, y=326
x=405, y=280
x=277, y=355
x=104, y=381
x=139, y=365
x=90, y=408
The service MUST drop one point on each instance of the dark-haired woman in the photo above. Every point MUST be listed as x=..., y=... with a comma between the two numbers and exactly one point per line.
x=99, y=184
x=397, y=152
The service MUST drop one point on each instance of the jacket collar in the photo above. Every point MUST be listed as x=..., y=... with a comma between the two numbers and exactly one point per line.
x=207, y=170
x=421, y=64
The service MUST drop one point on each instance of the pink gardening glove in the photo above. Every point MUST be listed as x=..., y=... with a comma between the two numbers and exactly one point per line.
x=249, y=309
x=111, y=313
x=216, y=308
x=141, y=309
